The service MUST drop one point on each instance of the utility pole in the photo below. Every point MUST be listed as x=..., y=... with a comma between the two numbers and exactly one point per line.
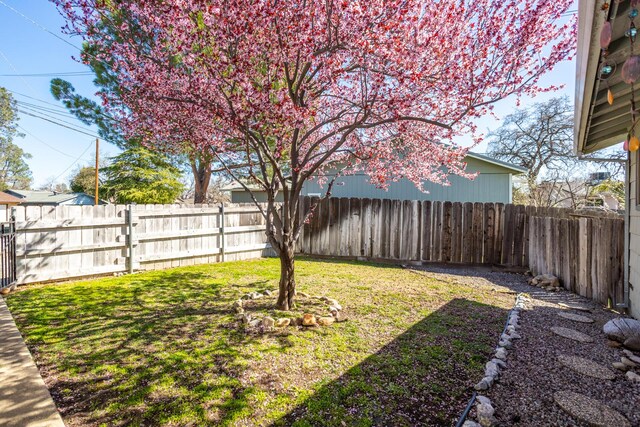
x=97, y=158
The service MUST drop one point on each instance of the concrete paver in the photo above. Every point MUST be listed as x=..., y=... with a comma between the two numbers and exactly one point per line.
x=24, y=399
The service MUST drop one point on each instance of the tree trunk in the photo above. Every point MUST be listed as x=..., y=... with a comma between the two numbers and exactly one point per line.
x=287, y=279
x=201, y=177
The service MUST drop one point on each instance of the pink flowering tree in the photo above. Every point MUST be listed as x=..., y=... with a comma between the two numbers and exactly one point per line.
x=280, y=91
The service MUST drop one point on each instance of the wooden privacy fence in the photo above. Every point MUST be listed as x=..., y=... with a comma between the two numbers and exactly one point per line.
x=64, y=242
x=585, y=253
x=411, y=230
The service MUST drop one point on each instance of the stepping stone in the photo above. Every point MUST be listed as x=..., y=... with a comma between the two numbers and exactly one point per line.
x=575, y=306
x=589, y=410
x=586, y=367
x=575, y=317
x=571, y=334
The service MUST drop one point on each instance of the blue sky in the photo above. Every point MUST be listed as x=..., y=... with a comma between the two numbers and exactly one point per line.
x=28, y=49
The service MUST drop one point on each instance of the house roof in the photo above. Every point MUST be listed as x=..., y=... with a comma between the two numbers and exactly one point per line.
x=8, y=199
x=597, y=124
x=483, y=157
x=44, y=197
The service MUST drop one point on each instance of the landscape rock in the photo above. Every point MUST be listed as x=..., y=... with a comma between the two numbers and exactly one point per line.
x=546, y=281
x=484, y=384
x=246, y=318
x=621, y=329
x=628, y=362
x=239, y=310
x=268, y=322
x=575, y=306
x=255, y=323
x=621, y=366
x=491, y=370
x=283, y=323
x=505, y=343
x=632, y=356
x=334, y=308
x=309, y=319
x=485, y=411
x=470, y=423
x=267, y=293
x=302, y=294
x=501, y=353
x=501, y=363
x=633, y=343
x=632, y=376
x=515, y=336
x=333, y=303
x=326, y=321
x=297, y=321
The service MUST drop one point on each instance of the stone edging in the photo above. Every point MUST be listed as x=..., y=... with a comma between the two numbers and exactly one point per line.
x=484, y=408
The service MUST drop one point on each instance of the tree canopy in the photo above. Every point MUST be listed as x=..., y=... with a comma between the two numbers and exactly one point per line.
x=138, y=175
x=278, y=92
x=14, y=170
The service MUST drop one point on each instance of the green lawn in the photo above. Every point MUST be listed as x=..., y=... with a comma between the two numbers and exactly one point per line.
x=164, y=348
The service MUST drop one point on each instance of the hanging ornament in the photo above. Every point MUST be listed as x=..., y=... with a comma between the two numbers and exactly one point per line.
x=634, y=143
x=632, y=32
x=631, y=69
x=609, y=97
x=633, y=13
x=605, y=35
x=625, y=144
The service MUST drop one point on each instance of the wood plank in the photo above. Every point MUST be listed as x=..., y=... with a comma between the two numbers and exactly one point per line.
x=426, y=231
x=489, y=237
x=365, y=228
x=456, y=232
x=478, y=232
x=467, y=233
x=354, y=232
x=446, y=231
x=436, y=229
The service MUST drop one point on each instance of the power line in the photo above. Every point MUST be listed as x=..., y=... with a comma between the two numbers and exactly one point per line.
x=48, y=116
x=42, y=27
x=16, y=71
x=59, y=124
x=35, y=99
x=74, y=162
x=42, y=142
x=63, y=74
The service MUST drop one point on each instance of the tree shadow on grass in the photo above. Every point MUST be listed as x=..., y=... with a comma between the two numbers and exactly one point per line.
x=424, y=377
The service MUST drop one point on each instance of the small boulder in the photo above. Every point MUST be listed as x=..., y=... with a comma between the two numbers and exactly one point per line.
x=470, y=423
x=333, y=303
x=613, y=344
x=633, y=343
x=255, y=323
x=246, y=318
x=632, y=376
x=239, y=310
x=485, y=411
x=326, y=321
x=309, y=319
x=267, y=292
x=484, y=384
x=501, y=353
x=238, y=303
x=283, y=323
x=622, y=329
x=632, y=356
x=628, y=362
x=302, y=294
x=268, y=322
x=621, y=366
x=297, y=321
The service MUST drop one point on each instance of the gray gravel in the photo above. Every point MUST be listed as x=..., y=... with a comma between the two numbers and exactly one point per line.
x=524, y=394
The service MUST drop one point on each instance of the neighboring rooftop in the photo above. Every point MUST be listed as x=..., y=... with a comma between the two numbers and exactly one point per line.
x=38, y=197
x=8, y=199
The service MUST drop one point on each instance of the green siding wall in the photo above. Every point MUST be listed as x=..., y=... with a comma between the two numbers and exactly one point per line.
x=485, y=188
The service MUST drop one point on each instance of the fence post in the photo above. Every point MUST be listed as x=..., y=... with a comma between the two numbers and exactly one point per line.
x=130, y=242
x=222, y=238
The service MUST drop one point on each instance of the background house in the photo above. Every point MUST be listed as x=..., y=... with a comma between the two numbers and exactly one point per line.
x=50, y=198
x=7, y=201
x=493, y=184
x=599, y=124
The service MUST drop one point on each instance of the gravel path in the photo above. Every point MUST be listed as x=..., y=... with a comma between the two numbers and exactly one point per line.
x=524, y=396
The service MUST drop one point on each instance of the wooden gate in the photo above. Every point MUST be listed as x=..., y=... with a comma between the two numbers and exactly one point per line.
x=7, y=254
